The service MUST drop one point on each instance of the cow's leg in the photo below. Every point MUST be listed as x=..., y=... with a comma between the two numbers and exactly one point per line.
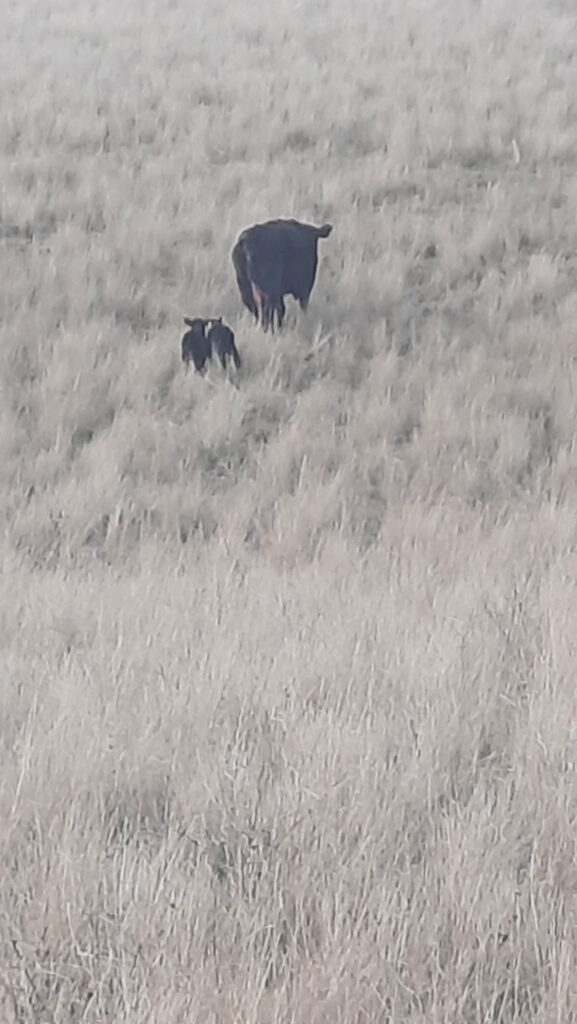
x=267, y=313
x=280, y=311
x=260, y=303
x=271, y=310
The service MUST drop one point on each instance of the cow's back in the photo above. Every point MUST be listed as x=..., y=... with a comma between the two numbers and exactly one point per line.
x=266, y=241
x=301, y=258
x=268, y=250
x=280, y=258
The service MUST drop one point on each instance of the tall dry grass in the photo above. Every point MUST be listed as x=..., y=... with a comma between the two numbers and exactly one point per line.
x=288, y=719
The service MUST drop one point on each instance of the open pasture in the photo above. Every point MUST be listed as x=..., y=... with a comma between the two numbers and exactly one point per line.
x=287, y=705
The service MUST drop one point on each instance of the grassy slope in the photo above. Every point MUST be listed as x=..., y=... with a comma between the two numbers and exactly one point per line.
x=288, y=693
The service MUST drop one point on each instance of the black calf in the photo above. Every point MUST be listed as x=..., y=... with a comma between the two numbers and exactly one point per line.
x=222, y=343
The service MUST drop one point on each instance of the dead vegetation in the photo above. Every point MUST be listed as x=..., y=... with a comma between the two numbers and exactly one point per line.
x=287, y=693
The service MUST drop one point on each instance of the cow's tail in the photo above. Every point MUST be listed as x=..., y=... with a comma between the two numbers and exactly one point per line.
x=239, y=259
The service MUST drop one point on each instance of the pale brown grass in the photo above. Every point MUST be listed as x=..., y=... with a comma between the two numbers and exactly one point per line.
x=288, y=715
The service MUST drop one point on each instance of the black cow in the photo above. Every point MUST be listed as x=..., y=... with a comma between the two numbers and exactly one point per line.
x=222, y=343
x=275, y=259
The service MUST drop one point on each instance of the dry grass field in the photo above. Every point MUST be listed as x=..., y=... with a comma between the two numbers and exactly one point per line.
x=288, y=709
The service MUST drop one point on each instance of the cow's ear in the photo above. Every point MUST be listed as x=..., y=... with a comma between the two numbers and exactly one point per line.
x=325, y=231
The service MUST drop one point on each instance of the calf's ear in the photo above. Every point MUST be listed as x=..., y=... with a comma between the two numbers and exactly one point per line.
x=324, y=231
